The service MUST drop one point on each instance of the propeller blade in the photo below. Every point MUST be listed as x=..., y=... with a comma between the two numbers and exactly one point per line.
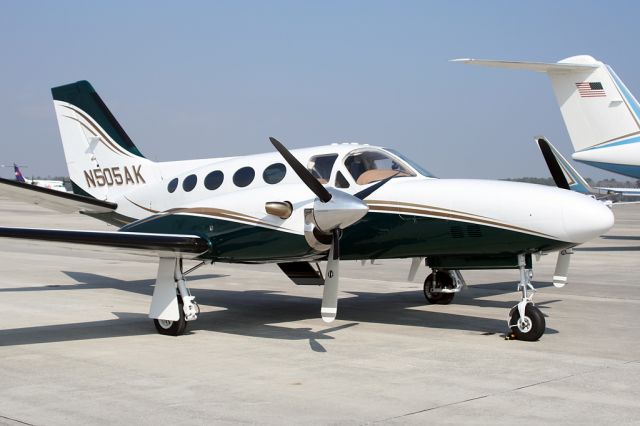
x=554, y=167
x=562, y=268
x=329, y=308
x=370, y=190
x=302, y=172
x=335, y=244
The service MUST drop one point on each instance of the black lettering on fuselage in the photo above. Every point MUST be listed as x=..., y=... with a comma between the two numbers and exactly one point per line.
x=127, y=177
x=138, y=175
x=116, y=175
x=109, y=176
x=88, y=176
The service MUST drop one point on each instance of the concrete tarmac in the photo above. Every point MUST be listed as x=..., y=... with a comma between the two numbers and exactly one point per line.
x=76, y=346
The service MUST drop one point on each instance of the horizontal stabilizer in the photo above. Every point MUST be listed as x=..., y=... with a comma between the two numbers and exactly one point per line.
x=162, y=244
x=64, y=202
x=531, y=66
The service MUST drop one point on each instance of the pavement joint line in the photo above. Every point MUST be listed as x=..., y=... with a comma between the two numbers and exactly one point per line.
x=15, y=420
x=556, y=379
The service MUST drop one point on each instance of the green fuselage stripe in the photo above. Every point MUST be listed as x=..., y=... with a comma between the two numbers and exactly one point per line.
x=376, y=236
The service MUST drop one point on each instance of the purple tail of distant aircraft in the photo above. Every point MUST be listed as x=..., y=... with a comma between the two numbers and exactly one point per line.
x=18, y=174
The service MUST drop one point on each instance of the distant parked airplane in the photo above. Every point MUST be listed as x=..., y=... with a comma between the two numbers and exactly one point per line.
x=58, y=185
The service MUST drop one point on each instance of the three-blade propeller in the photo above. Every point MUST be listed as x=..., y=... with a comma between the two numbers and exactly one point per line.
x=333, y=211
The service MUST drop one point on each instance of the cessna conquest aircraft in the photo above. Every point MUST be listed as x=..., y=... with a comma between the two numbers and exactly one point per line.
x=334, y=202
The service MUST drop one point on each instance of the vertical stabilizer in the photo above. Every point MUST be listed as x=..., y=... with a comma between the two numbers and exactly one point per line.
x=18, y=173
x=103, y=161
x=562, y=172
x=596, y=106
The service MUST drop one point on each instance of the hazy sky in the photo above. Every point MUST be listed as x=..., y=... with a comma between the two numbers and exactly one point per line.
x=206, y=79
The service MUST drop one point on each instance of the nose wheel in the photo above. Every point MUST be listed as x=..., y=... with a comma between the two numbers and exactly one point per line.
x=529, y=327
x=526, y=321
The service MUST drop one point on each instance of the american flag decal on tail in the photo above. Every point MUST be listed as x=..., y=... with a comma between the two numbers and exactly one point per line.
x=591, y=90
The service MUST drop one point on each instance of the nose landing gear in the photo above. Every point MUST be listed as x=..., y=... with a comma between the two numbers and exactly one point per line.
x=526, y=321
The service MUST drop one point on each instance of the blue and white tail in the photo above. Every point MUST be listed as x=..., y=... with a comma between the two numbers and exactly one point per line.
x=102, y=160
x=600, y=113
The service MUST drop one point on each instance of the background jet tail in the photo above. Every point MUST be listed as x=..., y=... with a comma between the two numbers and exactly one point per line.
x=596, y=106
x=18, y=173
x=564, y=175
x=103, y=161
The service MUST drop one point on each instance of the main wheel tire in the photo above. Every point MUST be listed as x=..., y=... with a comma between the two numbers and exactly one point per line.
x=533, y=325
x=172, y=328
x=443, y=280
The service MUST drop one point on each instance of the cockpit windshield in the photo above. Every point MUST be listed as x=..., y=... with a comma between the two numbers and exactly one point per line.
x=424, y=172
x=369, y=165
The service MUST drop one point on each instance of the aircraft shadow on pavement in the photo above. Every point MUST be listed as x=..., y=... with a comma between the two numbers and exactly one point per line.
x=255, y=313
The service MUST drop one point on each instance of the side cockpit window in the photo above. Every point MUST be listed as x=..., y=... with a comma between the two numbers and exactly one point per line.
x=367, y=166
x=320, y=166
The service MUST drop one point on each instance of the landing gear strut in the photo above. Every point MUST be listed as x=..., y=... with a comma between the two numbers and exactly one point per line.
x=526, y=321
x=172, y=305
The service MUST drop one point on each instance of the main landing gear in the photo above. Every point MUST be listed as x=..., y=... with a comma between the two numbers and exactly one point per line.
x=172, y=305
x=526, y=321
x=441, y=286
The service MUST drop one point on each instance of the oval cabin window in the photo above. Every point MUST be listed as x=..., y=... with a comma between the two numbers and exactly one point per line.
x=274, y=173
x=244, y=177
x=189, y=183
x=213, y=180
x=172, y=185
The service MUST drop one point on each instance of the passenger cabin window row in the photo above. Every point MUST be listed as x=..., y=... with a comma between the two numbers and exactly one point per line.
x=241, y=178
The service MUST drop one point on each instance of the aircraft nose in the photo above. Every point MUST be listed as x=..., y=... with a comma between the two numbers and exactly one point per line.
x=585, y=218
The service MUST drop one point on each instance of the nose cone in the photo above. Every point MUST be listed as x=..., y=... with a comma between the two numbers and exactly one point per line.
x=585, y=218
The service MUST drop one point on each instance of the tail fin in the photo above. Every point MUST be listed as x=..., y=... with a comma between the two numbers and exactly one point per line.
x=103, y=161
x=596, y=106
x=564, y=175
x=18, y=173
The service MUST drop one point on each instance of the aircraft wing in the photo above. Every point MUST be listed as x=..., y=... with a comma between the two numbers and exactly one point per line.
x=163, y=245
x=63, y=202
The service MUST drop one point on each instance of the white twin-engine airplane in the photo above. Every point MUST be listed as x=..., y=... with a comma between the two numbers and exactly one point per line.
x=601, y=115
x=294, y=208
